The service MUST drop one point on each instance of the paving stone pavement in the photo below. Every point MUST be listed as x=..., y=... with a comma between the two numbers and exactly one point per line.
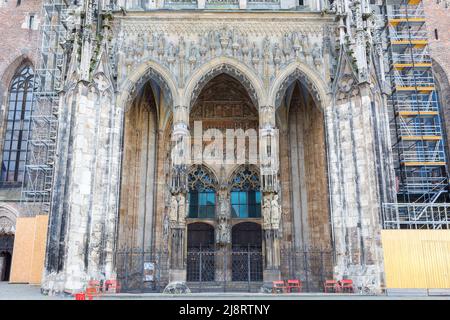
x=32, y=292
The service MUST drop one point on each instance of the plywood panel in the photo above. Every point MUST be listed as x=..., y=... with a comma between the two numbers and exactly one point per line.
x=416, y=258
x=38, y=254
x=23, y=247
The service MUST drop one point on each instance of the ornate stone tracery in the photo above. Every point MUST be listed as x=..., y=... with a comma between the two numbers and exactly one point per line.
x=245, y=178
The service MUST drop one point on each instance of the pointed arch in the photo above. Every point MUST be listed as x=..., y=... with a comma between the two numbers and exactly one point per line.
x=307, y=76
x=233, y=68
x=148, y=71
x=8, y=217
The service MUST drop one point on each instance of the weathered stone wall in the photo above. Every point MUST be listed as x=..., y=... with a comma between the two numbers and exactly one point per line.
x=303, y=173
x=137, y=201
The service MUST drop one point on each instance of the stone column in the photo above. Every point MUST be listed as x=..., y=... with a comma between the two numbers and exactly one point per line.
x=223, y=236
x=180, y=155
x=271, y=208
x=355, y=183
x=83, y=218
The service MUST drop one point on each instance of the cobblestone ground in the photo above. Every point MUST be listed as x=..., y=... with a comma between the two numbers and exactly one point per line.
x=30, y=292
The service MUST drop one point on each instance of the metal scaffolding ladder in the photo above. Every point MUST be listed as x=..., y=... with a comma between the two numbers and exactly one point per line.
x=418, y=149
x=41, y=148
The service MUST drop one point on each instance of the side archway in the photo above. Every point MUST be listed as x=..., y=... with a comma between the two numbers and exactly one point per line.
x=139, y=77
x=8, y=216
x=306, y=76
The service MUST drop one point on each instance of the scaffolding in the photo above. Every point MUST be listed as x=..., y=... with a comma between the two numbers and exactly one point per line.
x=41, y=148
x=418, y=146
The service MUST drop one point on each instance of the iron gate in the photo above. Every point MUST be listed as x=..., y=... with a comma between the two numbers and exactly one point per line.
x=310, y=265
x=142, y=271
x=239, y=269
x=217, y=269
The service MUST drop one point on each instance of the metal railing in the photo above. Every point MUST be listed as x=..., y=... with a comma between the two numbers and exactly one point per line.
x=422, y=156
x=416, y=215
x=221, y=270
x=404, y=58
x=407, y=11
x=411, y=129
x=414, y=81
x=397, y=35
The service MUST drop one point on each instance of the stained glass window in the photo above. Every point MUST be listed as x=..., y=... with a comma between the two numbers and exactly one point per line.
x=202, y=193
x=17, y=124
x=245, y=194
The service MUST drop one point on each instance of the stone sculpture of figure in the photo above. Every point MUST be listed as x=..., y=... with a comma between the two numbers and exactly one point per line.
x=255, y=54
x=166, y=225
x=276, y=54
x=173, y=210
x=287, y=45
x=223, y=230
x=171, y=50
x=181, y=208
x=193, y=52
x=224, y=209
x=317, y=54
x=161, y=44
x=245, y=48
x=203, y=45
x=275, y=213
x=297, y=43
x=181, y=48
x=266, y=46
x=266, y=213
x=212, y=40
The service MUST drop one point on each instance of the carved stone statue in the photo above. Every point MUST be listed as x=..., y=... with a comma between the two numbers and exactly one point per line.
x=276, y=54
x=255, y=54
x=181, y=48
x=223, y=235
x=181, y=208
x=203, y=45
x=275, y=213
x=266, y=46
x=161, y=44
x=266, y=213
x=166, y=225
x=193, y=53
x=173, y=214
x=317, y=54
x=287, y=45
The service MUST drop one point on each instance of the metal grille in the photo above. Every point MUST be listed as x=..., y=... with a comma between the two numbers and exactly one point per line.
x=311, y=266
x=133, y=276
x=221, y=270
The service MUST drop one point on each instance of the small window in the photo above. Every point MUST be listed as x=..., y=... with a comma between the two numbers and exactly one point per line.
x=436, y=36
x=30, y=22
x=19, y=2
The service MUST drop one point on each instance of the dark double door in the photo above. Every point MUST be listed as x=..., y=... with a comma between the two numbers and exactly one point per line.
x=243, y=260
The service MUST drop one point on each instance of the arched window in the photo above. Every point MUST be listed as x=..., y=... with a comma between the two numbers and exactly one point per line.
x=202, y=193
x=245, y=194
x=17, y=124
